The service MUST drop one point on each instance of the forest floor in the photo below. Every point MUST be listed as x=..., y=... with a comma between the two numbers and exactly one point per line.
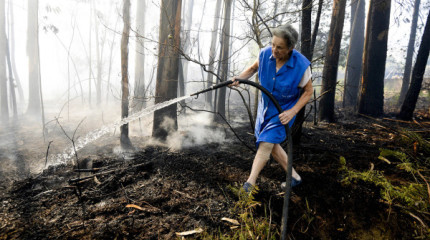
x=160, y=192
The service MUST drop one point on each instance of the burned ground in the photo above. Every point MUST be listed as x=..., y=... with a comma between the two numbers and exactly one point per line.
x=159, y=192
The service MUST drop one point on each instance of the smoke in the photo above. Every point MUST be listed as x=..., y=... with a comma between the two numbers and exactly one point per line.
x=194, y=129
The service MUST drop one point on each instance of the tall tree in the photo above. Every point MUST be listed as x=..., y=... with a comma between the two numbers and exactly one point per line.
x=99, y=56
x=3, y=77
x=316, y=26
x=411, y=98
x=34, y=104
x=224, y=55
x=305, y=38
x=371, y=99
x=186, y=44
x=124, y=139
x=212, y=53
x=139, y=70
x=11, y=35
x=409, y=53
x=328, y=89
x=167, y=72
x=355, y=54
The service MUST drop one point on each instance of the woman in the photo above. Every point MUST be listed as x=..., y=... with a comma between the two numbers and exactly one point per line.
x=282, y=71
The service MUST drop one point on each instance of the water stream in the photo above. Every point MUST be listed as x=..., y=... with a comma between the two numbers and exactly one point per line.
x=68, y=153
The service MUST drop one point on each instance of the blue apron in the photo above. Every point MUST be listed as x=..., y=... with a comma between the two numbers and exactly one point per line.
x=284, y=87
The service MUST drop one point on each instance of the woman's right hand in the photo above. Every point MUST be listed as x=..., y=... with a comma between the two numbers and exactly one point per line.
x=235, y=82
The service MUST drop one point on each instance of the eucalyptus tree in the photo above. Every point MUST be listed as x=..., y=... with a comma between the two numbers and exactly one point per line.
x=212, y=53
x=328, y=89
x=139, y=69
x=371, y=99
x=409, y=53
x=167, y=71
x=355, y=54
x=224, y=55
x=34, y=99
x=124, y=139
x=408, y=106
x=3, y=77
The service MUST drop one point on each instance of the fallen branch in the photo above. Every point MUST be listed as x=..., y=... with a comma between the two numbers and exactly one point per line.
x=77, y=180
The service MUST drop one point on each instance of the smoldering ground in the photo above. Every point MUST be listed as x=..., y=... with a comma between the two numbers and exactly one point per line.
x=27, y=148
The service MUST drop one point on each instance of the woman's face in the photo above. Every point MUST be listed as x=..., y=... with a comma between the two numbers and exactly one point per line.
x=280, y=49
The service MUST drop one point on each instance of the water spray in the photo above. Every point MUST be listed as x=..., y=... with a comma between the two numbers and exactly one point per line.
x=289, y=143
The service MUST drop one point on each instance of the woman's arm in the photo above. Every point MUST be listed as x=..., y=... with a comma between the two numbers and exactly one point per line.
x=287, y=115
x=247, y=73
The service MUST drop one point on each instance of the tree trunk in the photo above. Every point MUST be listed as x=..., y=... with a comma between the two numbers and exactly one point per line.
x=411, y=98
x=306, y=51
x=99, y=59
x=328, y=89
x=11, y=81
x=212, y=53
x=371, y=100
x=12, y=52
x=224, y=56
x=34, y=106
x=166, y=87
x=139, y=72
x=186, y=43
x=355, y=54
x=3, y=77
x=125, y=140
x=410, y=53
x=316, y=26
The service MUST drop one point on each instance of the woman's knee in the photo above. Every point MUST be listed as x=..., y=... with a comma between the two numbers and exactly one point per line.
x=265, y=148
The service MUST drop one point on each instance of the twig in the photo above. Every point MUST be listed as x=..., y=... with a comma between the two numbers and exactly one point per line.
x=76, y=180
x=47, y=152
x=428, y=186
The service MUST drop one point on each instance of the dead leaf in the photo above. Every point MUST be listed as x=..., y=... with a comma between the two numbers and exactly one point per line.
x=134, y=206
x=96, y=180
x=187, y=233
x=232, y=221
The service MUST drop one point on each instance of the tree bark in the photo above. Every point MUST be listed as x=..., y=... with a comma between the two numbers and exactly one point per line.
x=328, y=89
x=224, y=55
x=316, y=26
x=409, y=53
x=34, y=106
x=355, y=54
x=166, y=87
x=186, y=43
x=371, y=100
x=3, y=77
x=306, y=50
x=411, y=98
x=212, y=53
x=139, y=101
x=124, y=139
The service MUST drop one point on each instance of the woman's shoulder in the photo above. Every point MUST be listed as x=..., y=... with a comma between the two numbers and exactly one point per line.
x=266, y=50
x=300, y=57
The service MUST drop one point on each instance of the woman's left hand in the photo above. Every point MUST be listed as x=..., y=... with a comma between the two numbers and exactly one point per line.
x=286, y=116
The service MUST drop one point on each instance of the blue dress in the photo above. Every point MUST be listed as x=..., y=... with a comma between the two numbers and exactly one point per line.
x=284, y=87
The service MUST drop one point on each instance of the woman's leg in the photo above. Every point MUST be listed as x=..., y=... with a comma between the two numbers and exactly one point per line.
x=260, y=160
x=281, y=157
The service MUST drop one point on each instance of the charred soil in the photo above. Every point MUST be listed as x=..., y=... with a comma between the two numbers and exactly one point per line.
x=159, y=192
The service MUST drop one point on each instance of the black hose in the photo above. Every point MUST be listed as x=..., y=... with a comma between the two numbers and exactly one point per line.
x=289, y=144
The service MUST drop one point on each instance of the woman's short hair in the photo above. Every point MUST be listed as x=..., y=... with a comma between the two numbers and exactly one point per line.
x=288, y=33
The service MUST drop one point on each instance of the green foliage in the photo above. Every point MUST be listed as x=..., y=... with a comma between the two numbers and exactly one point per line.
x=410, y=196
x=251, y=227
